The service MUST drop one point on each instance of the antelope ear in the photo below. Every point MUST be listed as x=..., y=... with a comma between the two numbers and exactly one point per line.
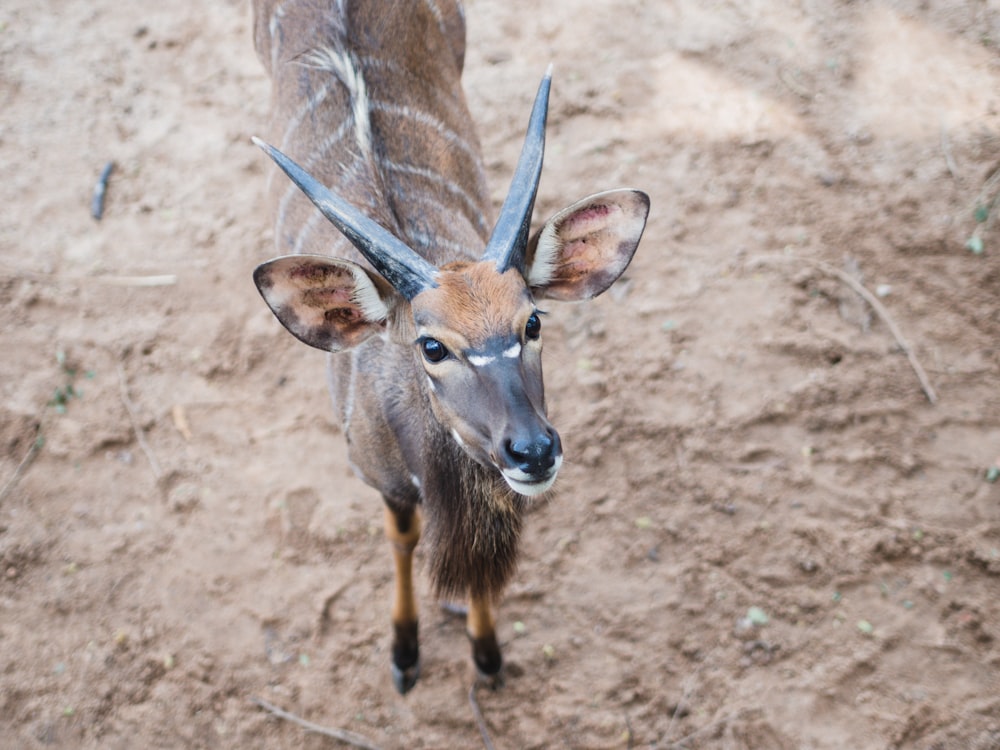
x=583, y=249
x=328, y=303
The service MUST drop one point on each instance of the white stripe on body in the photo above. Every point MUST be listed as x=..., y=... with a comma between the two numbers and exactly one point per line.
x=452, y=187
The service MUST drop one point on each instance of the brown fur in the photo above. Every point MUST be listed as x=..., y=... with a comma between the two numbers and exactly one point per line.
x=479, y=297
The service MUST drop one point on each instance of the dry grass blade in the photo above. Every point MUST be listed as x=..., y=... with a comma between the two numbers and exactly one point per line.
x=151, y=280
x=36, y=445
x=868, y=297
x=949, y=160
x=165, y=279
x=789, y=78
x=722, y=721
x=350, y=738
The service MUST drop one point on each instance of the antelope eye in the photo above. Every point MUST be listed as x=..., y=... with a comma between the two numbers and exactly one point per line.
x=434, y=350
x=533, y=328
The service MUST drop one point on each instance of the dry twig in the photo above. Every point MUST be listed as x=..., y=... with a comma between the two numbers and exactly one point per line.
x=688, y=688
x=100, y=189
x=480, y=721
x=350, y=738
x=134, y=419
x=868, y=297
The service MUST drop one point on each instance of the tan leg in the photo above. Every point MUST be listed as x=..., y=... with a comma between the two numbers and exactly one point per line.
x=482, y=633
x=403, y=532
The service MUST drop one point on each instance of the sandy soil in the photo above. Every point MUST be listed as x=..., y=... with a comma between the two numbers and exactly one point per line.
x=766, y=536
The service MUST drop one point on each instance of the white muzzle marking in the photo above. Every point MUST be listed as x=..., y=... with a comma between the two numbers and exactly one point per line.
x=524, y=484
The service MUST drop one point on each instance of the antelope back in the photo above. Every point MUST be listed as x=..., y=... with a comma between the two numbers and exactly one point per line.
x=367, y=96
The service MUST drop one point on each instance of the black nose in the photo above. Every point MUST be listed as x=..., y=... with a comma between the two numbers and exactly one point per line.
x=534, y=454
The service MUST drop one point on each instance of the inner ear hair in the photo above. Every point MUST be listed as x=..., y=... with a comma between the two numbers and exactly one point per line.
x=541, y=256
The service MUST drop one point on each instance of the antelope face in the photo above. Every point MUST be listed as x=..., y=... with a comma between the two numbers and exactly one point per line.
x=479, y=344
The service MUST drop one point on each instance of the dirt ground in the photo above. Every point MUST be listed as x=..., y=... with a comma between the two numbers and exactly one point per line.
x=765, y=535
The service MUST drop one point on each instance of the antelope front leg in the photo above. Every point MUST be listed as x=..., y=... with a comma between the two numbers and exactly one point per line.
x=402, y=529
x=482, y=633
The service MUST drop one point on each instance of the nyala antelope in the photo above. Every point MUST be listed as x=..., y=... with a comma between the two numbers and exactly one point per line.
x=429, y=309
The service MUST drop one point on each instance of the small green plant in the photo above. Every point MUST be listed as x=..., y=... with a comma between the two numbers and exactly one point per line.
x=68, y=391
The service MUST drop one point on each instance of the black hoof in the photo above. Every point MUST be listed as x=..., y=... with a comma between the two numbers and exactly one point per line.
x=488, y=661
x=405, y=657
x=405, y=679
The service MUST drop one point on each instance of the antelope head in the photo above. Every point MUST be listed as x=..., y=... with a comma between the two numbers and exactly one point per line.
x=473, y=325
